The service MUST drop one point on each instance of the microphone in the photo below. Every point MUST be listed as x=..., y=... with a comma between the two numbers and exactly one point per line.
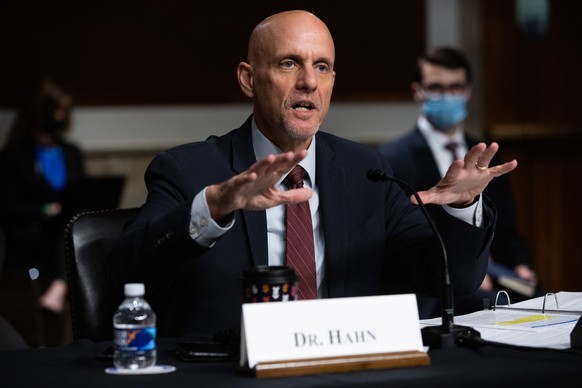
x=447, y=334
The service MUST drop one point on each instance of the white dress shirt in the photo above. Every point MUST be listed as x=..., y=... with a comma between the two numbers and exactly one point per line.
x=437, y=141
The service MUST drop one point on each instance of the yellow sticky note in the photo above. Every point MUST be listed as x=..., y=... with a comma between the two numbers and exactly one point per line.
x=527, y=319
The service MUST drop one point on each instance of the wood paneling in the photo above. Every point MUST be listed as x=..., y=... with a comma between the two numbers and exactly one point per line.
x=531, y=98
x=546, y=185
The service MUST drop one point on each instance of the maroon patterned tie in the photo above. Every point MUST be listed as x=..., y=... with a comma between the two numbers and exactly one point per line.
x=300, y=253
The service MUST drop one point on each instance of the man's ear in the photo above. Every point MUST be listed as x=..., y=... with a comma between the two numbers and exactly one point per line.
x=415, y=88
x=244, y=74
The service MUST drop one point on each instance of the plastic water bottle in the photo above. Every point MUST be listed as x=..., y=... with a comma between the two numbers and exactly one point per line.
x=134, y=325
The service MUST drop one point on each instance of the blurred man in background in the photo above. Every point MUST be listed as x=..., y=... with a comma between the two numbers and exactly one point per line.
x=442, y=87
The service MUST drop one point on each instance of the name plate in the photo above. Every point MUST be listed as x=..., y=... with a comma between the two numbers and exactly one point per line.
x=323, y=328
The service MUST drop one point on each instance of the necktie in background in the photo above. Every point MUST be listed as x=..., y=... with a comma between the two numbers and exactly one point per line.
x=452, y=148
x=300, y=253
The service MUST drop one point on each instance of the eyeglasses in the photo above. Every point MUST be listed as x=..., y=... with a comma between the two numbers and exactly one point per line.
x=436, y=90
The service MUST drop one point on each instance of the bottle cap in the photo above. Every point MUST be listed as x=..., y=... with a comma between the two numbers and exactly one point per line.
x=134, y=289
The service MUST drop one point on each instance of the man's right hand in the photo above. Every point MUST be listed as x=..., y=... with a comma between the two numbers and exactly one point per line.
x=254, y=189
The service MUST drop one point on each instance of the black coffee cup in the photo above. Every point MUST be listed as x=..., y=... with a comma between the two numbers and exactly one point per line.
x=265, y=283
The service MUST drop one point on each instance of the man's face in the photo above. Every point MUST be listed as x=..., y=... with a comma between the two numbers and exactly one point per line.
x=438, y=81
x=292, y=80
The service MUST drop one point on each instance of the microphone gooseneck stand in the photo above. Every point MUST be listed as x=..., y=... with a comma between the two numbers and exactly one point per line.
x=448, y=334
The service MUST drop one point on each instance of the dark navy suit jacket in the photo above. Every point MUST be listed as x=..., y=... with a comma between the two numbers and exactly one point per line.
x=376, y=241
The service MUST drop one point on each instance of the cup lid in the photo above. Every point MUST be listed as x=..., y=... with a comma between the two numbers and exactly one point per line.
x=270, y=272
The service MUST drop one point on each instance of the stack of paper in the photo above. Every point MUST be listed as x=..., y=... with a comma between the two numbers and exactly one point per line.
x=527, y=323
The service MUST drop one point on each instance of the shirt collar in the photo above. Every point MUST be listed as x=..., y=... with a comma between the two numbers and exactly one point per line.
x=264, y=147
x=436, y=137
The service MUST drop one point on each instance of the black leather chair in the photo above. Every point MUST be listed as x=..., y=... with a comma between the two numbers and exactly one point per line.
x=92, y=300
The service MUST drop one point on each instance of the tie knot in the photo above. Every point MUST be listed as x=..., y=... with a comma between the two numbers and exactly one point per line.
x=295, y=178
x=451, y=147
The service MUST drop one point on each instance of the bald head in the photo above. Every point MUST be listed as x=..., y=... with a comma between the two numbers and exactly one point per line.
x=281, y=25
x=290, y=76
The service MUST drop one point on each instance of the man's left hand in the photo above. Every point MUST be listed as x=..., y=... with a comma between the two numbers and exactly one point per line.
x=466, y=179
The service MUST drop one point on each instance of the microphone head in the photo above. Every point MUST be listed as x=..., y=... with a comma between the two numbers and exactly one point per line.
x=376, y=174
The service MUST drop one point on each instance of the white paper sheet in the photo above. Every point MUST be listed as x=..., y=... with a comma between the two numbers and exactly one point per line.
x=526, y=328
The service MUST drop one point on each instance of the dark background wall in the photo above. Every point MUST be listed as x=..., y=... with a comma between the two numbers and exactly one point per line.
x=186, y=52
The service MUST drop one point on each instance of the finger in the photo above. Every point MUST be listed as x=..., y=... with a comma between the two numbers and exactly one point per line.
x=299, y=156
x=282, y=163
x=243, y=178
x=270, y=169
x=503, y=168
x=425, y=196
x=455, y=169
x=474, y=153
x=485, y=158
x=295, y=195
x=413, y=200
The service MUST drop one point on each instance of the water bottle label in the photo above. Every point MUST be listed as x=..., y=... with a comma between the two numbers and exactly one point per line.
x=141, y=339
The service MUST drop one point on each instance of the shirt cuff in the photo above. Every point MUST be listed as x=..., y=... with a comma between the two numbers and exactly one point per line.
x=471, y=215
x=203, y=229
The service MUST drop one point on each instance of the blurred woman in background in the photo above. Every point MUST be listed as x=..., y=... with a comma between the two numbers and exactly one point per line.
x=36, y=166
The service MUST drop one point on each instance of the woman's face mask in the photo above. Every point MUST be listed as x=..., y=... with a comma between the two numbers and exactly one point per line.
x=55, y=122
x=445, y=111
x=53, y=127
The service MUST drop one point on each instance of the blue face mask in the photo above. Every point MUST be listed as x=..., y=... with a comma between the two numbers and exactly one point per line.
x=446, y=111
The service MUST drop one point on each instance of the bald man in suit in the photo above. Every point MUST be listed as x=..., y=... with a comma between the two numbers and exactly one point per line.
x=216, y=207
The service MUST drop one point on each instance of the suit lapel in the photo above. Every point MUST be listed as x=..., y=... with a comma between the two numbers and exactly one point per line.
x=428, y=171
x=243, y=156
x=332, y=184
